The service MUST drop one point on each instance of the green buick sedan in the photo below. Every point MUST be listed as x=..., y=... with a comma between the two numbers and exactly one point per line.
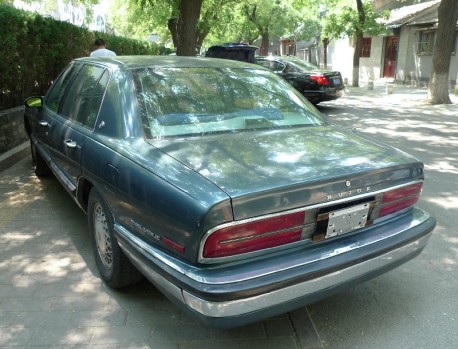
x=223, y=185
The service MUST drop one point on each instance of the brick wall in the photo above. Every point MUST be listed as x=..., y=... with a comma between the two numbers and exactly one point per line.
x=12, y=131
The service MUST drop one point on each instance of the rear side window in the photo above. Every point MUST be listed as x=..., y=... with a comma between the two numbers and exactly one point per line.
x=272, y=65
x=56, y=94
x=85, y=95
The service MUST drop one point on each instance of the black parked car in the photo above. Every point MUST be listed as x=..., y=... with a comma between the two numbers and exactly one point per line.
x=315, y=84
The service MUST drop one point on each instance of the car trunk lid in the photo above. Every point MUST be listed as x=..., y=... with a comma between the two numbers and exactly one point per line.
x=272, y=171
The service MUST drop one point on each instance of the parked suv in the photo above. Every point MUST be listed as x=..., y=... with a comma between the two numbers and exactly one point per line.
x=234, y=51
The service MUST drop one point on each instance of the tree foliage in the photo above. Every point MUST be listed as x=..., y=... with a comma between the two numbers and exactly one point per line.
x=189, y=22
x=50, y=7
x=218, y=20
x=346, y=21
x=288, y=18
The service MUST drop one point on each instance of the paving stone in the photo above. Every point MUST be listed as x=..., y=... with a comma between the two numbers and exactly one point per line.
x=171, y=316
x=7, y=318
x=255, y=330
x=121, y=335
x=271, y=343
x=211, y=344
x=98, y=318
x=280, y=327
x=24, y=304
x=177, y=334
x=48, y=336
x=15, y=336
x=34, y=319
x=16, y=291
x=77, y=303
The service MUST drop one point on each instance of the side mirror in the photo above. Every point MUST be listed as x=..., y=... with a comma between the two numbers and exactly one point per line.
x=34, y=102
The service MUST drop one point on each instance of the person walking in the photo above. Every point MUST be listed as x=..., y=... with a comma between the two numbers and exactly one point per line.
x=101, y=50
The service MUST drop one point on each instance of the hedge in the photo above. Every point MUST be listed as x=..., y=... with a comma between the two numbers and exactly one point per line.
x=34, y=49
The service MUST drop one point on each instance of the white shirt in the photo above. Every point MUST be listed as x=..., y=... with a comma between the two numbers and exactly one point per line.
x=102, y=52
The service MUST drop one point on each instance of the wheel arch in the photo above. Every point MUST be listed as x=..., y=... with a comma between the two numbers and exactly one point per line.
x=82, y=194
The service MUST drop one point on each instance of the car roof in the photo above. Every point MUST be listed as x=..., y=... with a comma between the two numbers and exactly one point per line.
x=234, y=46
x=136, y=62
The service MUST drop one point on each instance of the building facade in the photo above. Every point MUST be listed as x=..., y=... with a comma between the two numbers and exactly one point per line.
x=403, y=55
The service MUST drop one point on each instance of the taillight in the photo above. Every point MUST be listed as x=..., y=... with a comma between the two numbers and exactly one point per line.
x=401, y=198
x=320, y=79
x=254, y=235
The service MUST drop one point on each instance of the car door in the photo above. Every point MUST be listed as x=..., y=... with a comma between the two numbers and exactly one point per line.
x=75, y=122
x=42, y=125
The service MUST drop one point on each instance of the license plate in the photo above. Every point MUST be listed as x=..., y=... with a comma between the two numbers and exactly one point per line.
x=336, y=81
x=347, y=220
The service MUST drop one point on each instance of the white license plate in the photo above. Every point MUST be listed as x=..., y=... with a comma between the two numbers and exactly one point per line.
x=336, y=81
x=347, y=220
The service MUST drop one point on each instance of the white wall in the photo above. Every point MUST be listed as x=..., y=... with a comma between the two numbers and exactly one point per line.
x=370, y=67
x=340, y=57
x=416, y=69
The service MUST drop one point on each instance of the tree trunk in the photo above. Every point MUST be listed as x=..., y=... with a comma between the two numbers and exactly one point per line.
x=359, y=42
x=325, y=53
x=172, y=25
x=356, y=57
x=445, y=36
x=189, y=13
x=264, y=49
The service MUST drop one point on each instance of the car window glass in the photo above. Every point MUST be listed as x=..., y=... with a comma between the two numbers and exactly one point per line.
x=78, y=99
x=54, y=98
x=303, y=65
x=272, y=65
x=290, y=68
x=90, y=115
x=190, y=101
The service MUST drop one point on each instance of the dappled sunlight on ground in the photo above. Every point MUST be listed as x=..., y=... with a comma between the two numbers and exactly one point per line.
x=428, y=132
x=447, y=202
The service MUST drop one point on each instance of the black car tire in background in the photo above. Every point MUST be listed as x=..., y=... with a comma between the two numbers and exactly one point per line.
x=40, y=167
x=114, y=267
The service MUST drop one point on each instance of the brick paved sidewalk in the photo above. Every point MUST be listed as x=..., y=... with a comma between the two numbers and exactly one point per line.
x=51, y=295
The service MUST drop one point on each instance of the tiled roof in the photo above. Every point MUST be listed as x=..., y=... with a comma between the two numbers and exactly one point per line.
x=407, y=14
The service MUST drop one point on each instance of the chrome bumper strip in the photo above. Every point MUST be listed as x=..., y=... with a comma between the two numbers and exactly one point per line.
x=251, y=304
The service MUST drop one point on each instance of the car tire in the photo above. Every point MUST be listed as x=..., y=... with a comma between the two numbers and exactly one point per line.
x=114, y=267
x=40, y=167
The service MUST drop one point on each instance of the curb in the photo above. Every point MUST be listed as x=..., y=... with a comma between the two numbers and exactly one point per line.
x=14, y=155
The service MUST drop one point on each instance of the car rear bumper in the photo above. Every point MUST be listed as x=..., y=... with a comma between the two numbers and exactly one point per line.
x=239, y=294
x=328, y=94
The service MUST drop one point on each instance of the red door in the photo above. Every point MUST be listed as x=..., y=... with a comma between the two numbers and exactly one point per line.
x=389, y=61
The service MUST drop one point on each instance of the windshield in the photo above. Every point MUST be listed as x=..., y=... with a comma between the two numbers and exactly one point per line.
x=196, y=101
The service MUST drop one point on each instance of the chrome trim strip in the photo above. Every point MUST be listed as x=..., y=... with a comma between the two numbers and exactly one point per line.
x=152, y=252
x=256, y=303
x=204, y=260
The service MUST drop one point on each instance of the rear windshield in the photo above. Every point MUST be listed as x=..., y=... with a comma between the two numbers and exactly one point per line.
x=198, y=101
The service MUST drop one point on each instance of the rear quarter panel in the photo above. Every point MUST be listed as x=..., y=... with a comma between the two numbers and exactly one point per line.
x=139, y=184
